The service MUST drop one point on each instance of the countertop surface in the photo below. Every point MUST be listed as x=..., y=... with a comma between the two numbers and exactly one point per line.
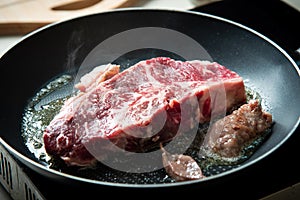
x=7, y=41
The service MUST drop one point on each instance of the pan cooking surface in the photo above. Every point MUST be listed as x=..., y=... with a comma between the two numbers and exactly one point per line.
x=49, y=99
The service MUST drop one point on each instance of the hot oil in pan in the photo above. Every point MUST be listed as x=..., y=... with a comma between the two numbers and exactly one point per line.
x=47, y=103
x=41, y=110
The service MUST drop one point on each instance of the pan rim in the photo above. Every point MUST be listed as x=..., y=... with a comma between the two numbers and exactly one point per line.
x=214, y=17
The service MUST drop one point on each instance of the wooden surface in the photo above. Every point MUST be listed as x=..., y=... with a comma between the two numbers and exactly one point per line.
x=23, y=16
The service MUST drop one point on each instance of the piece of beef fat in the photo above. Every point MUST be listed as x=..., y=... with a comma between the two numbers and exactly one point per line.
x=141, y=107
x=181, y=167
x=96, y=76
x=229, y=135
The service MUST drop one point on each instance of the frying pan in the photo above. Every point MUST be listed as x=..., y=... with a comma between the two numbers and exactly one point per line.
x=63, y=47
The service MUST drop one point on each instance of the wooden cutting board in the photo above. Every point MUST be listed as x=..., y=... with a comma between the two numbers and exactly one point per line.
x=23, y=16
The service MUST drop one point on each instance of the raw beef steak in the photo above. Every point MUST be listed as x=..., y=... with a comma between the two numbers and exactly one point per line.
x=141, y=107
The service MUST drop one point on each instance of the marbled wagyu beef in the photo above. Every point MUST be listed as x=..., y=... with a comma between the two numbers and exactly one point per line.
x=140, y=107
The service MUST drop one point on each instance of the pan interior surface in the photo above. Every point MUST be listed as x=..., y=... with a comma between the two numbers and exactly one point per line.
x=62, y=48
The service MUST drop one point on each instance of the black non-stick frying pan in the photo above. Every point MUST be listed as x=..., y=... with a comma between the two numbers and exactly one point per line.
x=65, y=47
